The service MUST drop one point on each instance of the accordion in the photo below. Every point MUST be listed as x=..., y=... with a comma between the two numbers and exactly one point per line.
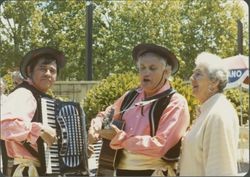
x=69, y=154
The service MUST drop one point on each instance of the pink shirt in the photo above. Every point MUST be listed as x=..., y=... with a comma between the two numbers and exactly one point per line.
x=172, y=125
x=16, y=125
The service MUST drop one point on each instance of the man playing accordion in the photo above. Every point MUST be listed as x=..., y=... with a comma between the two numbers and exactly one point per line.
x=20, y=122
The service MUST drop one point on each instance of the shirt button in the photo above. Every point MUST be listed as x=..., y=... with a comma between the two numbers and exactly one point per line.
x=131, y=129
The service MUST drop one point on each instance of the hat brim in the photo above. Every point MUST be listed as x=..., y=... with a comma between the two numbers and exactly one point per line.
x=35, y=54
x=162, y=51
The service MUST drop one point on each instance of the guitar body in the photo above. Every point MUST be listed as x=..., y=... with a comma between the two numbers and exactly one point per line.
x=108, y=158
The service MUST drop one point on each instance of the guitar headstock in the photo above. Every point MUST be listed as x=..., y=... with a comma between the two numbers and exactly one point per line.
x=108, y=119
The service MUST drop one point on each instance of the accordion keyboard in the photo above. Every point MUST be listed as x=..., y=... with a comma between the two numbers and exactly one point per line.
x=52, y=153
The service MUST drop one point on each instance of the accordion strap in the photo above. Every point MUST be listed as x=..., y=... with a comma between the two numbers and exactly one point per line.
x=31, y=150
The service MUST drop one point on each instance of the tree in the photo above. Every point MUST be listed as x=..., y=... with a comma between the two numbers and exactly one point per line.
x=15, y=29
x=187, y=27
x=208, y=26
x=57, y=24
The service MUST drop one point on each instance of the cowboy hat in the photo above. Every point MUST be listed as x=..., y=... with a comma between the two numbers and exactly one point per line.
x=37, y=53
x=170, y=58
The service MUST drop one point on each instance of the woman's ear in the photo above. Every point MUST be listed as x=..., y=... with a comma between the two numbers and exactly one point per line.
x=215, y=84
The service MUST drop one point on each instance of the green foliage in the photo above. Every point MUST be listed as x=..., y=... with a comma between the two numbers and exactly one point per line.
x=133, y=22
x=107, y=91
x=185, y=89
x=8, y=83
x=15, y=25
x=205, y=23
x=240, y=100
x=186, y=27
x=31, y=24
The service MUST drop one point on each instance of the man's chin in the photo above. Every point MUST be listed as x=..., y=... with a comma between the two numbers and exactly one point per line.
x=45, y=88
x=147, y=88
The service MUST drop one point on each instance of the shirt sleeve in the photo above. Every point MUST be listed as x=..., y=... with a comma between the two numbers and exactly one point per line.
x=16, y=117
x=172, y=126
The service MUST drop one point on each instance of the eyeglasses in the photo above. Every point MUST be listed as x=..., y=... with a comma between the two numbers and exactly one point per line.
x=197, y=75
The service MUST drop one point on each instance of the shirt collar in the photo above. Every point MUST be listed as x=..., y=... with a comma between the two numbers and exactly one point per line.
x=210, y=101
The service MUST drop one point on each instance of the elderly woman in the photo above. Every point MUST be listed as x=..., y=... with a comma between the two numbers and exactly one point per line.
x=210, y=147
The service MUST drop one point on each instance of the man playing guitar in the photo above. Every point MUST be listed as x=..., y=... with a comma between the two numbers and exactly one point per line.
x=155, y=118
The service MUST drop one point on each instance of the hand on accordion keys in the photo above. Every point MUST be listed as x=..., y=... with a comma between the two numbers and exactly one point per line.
x=48, y=135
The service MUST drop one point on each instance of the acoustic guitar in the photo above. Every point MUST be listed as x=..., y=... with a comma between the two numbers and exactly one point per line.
x=107, y=158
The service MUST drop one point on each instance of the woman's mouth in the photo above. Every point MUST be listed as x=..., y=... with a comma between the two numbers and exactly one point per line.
x=146, y=80
x=195, y=86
